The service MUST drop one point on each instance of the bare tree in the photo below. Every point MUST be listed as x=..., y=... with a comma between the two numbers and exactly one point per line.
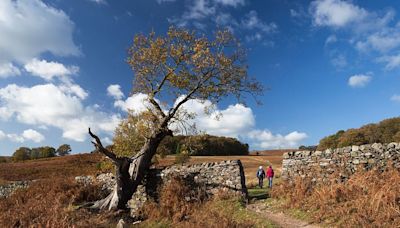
x=175, y=69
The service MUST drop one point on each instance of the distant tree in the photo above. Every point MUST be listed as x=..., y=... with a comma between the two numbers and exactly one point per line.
x=35, y=153
x=386, y=131
x=46, y=152
x=21, y=154
x=3, y=160
x=63, y=150
x=310, y=148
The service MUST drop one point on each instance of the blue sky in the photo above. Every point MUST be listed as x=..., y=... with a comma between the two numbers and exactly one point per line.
x=328, y=64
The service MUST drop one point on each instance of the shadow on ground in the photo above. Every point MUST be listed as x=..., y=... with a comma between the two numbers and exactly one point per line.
x=257, y=193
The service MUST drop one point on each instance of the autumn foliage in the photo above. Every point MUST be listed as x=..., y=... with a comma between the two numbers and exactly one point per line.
x=367, y=199
x=385, y=131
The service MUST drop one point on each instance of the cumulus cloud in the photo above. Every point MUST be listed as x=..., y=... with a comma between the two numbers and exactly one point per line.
x=136, y=103
x=21, y=40
x=232, y=121
x=33, y=135
x=235, y=120
x=8, y=70
x=368, y=31
x=265, y=139
x=49, y=70
x=335, y=13
x=359, y=80
x=27, y=135
x=115, y=91
x=51, y=105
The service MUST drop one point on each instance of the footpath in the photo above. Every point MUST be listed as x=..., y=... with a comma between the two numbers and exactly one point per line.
x=279, y=218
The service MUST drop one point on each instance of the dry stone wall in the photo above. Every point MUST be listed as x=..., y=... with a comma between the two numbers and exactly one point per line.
x=213, y=177
x=341, y=161
x=7, y=189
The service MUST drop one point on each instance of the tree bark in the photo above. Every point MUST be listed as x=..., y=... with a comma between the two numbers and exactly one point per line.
x=130, y=172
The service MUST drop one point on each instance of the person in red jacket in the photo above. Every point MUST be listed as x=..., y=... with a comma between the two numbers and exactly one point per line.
x=270, y=176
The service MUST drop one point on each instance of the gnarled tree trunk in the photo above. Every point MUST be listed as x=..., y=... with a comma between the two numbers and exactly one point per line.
x=130, y=172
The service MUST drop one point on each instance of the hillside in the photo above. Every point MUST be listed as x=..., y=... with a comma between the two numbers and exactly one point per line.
x=67, y=166
x=385, y=131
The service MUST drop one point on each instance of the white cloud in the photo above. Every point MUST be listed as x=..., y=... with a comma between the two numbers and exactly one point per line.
x=50, y=105
x=199, y=13
x=8, y=70
x=359, y=80
x=382, y=41
x=49, y=70
x=265, y=139
x=395, y=98
x=339, y=61
x=162, y=1
x=335, y=13
x=252, y=21
x=232, y=121
x=115, y=91
x=29, y=28
x=33, y=135
x=136, y=103
x=15, y=138
x=331, y=39
x=392, y=61
x=233, y=3
x=103, y=2
x=235, y=121
x=368, y=31
x=28, y=134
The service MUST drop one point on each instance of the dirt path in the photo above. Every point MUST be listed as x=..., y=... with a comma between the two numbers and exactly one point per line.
x=279, y=218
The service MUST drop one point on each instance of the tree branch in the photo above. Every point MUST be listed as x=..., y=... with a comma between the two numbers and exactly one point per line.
x=100, y=147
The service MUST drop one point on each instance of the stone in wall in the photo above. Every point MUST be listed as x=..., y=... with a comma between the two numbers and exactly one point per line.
x=7, y=189
x=344, y=161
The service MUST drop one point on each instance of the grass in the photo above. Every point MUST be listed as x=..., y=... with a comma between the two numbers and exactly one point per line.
x=367, y=199
x=67, y=166
x=258, y=193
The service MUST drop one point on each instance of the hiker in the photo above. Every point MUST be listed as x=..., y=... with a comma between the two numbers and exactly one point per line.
x=270, y=176
x=260, y=176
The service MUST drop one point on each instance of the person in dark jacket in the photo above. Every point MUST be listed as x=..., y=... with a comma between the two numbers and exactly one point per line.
x=270, y=176
x=260, y=176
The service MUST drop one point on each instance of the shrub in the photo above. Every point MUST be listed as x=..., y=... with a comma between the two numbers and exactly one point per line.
x=182, y=157
x=386, y=131
x=367, y=199
x=50, y=203
x=175, y=210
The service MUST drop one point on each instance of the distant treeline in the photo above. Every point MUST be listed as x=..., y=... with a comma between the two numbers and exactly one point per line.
x=25, y=153
x=201, y=145
x=385, y=131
